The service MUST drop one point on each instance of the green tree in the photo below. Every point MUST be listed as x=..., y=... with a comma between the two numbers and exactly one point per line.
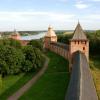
x=39, y=58
x=11, y=42
x=97, y=34
x=36, y=44
x=27, y=66
x=34, y=55
x=13, y=58
x=64, y=38
x=3, y=68
x=15, y=43
x=0, y=81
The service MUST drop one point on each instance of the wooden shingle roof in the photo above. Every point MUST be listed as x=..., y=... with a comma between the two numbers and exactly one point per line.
x=78, y=33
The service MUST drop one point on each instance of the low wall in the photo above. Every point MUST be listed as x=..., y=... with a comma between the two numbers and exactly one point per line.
x=81, y=86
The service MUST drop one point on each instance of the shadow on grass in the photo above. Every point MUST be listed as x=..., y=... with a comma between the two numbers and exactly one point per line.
x=17, y=85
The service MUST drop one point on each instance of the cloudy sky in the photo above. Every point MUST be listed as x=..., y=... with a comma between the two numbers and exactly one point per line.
x=39, y=14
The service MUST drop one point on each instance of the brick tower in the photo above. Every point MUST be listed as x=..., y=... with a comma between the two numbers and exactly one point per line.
x=79, y=42
x=49, y=37
x=15, y=35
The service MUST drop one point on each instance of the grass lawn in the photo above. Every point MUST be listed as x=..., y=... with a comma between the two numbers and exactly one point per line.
x=9, y=81
x=95, y=66
x=53, y=84
x=12, y=83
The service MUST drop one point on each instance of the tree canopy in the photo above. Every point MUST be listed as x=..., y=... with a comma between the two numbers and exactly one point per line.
x=36, y=44
x=15, y=59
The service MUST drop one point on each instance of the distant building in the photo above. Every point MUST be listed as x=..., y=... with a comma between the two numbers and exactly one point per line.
x=15, y=35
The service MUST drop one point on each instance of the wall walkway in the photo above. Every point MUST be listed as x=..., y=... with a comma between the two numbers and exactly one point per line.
x=81, y=86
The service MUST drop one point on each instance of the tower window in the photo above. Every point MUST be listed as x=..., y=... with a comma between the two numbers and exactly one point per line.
x=83, y=48
x=78, y=42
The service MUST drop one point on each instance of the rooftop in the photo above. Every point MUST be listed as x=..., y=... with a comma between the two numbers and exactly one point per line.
x=50, y=32
x=79, y=33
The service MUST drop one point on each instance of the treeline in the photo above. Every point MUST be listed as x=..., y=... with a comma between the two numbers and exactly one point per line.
x=94, y=41
x=15, y=59
x=22, y=33
x=64, y=38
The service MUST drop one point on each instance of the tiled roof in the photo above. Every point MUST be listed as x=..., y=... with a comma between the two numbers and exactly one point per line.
x=78, y=33
x=50, y=32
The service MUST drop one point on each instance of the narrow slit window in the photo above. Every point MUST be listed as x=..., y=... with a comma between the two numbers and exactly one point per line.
x=83, y=48
x=78, y=42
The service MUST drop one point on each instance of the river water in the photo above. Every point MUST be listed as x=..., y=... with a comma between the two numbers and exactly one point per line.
x=33, y=37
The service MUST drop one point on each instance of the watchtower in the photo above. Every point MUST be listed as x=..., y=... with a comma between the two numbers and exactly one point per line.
x=79, y=42
x=49, y=37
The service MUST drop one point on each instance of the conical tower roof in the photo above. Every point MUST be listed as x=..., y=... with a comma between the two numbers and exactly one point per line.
x=50, y=32
x=78, y=33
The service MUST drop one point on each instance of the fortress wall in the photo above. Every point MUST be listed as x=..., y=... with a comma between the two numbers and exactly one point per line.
x=81, y=86
x=59, y=48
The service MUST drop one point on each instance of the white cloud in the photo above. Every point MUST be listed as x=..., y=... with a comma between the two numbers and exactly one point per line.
x=27, y=15
x=96, y=0
x=33, y=19
x=81, y=5
x=93, y=17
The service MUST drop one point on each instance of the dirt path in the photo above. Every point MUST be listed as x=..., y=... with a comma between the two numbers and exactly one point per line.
x=22, y=90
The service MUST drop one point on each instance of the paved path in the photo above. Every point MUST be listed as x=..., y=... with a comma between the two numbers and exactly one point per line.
x=22, y=90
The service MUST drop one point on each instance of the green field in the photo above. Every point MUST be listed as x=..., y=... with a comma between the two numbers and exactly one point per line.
x=53, y=84
x=12, y=83
x=95, y=66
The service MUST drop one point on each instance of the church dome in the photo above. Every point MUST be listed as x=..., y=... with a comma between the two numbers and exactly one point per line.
x=50, y=32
